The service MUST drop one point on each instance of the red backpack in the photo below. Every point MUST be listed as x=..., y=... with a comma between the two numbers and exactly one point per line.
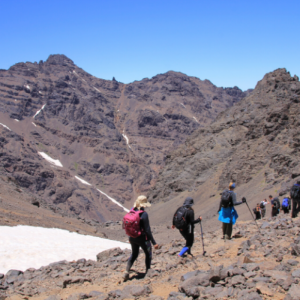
x=131, y=223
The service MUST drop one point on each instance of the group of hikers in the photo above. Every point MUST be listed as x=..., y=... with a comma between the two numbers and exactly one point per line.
x=260, y=209
x=137, y=226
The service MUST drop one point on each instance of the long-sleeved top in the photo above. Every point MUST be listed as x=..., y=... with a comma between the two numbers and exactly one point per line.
x=190, y=219
x=234, y=202
x=145, y=226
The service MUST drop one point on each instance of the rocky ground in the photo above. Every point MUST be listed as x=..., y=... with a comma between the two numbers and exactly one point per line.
x=258, y=263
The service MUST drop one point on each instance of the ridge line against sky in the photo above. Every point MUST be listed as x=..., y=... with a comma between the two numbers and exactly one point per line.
x=231, y=43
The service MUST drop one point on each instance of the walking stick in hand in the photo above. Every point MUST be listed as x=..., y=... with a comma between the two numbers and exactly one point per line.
x=245, y=201
x=202, y=238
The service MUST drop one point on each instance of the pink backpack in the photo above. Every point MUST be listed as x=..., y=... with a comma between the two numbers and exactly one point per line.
x=131, y=223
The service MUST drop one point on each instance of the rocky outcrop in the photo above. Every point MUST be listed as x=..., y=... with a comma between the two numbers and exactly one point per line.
x=254, y=142
x=113, y=136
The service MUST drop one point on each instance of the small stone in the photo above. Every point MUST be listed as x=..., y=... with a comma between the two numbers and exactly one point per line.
x=263, y=288
x=296, y=273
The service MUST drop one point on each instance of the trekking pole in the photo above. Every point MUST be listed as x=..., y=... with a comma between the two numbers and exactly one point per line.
x=253, y=216
x=202, y=238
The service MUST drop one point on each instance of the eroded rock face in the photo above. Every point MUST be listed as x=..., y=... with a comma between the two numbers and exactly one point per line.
x=112, y=135
x=258, y=134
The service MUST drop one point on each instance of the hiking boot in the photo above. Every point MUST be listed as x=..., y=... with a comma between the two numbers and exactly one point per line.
x=226, y=237
x=125, y=276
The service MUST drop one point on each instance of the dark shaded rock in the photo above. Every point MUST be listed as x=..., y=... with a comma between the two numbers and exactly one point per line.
x=104, y=255
x=199, y=280
x=295, y=250
x=176, y=296
x=212, y=291
x=291, y=262
x=239, y=279
x=137, y=290
x=215, y=274
x=12, y=275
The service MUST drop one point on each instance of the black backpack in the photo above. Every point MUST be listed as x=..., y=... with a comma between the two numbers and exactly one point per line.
x=226, y=199
x=295, y=192
x=262, y=205
x=179, y=219
x=276, y=203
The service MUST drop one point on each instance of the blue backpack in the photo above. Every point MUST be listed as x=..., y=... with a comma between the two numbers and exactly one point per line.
x=285, y=202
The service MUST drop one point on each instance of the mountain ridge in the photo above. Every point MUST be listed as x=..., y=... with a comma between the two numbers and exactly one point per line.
x=113, y=136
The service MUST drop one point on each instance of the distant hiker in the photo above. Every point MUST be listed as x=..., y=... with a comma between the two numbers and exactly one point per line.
x=184, y=220
x=227, y=212
x=286, y=205
x=295, y=195
x=137, y=226
x=263, y=208
x=275, y=206
x=257, y=212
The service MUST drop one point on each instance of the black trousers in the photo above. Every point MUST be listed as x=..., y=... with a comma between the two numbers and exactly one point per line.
x=295, y=208
x=285, y=210
x=136, y=243
x=257, y=215
x=227, y=229
x=189, y=238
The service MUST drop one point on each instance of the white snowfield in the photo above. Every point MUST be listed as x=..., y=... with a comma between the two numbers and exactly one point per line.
x=52, y=161
x=5, y=126
x=24, y=247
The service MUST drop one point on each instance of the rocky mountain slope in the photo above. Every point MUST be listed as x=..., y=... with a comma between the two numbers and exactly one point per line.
x=256, y=264
x=58, y=122
x=255, y=143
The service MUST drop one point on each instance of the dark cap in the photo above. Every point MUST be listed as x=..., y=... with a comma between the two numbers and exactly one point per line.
x=188, y=202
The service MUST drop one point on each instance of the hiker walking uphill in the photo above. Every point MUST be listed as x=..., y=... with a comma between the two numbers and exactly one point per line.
x=184, y=220
x=227, y=212
x=295, y=195
x=137, y=227
x=275, y=206
x=286, y=203
x=263, y=207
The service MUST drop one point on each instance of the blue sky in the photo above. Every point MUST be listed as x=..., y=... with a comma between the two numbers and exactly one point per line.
x=228, y=42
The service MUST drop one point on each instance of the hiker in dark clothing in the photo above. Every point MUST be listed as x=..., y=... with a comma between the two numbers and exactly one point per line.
x=295, y=195
x=144, y=240
x=228, y=215
x=275, y=206
x=257, y=212
x=188, y=233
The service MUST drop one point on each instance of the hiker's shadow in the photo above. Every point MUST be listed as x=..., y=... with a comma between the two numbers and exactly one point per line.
x=137, y=276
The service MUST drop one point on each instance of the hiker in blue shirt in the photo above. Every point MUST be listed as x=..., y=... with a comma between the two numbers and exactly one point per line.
x=228, y=215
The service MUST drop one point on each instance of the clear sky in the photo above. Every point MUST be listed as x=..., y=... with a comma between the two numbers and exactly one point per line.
x=229, y=42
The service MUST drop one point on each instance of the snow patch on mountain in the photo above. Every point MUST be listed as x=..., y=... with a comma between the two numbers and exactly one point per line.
x=52, y=161
x=24, y=247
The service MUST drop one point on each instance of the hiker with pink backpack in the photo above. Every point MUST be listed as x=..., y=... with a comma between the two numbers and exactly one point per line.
x=137, y=227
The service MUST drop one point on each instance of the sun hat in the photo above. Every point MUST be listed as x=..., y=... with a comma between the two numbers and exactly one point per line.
x=232, y=185
x=141, y=201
